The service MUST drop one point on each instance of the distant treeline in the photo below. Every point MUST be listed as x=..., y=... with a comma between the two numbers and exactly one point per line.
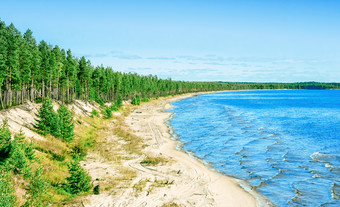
x=31, y=71
x=302, y=85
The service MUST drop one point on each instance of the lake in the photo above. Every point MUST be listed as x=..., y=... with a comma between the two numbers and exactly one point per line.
x=284, y=143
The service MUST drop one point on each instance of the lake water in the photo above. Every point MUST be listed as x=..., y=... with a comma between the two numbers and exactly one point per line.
x=284, y=143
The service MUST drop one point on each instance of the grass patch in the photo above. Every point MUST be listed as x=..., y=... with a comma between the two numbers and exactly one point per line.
x=171, y=204
x=153, y=161
x=139, y=186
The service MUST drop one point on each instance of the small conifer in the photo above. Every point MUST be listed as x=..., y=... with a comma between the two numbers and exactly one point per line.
x=66, y=123
x=78, y=181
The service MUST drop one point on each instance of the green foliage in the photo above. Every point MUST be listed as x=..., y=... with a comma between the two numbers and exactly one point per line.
x=78, y=181
x=95, y=113
x=48, y=120
x=7, y=199
x=5, y=141
x=136, y=100
x=18, y=160
x=21, y=155
x=96, y=190
x=145, y=99
x=56, y=74
x=114, y=107
x=58, y=124
x=29, y=151
x=119, y=102
x=37, y=190
x=107, y=112
x=66, y=124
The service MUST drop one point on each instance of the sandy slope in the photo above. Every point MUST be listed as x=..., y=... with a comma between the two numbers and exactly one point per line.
x=192, y=183
x=183, y=180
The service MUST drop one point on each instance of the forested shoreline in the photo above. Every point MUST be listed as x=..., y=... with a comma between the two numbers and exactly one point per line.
x=32, y=71
x=29, y=71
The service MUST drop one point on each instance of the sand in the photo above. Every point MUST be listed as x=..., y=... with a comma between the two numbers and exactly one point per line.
x=192, y=182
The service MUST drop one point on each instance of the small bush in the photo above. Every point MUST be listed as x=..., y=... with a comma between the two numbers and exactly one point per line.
x=38, y=100
x=106, y=111
x=96, y=190
x=114, y=107
x=94, y=113
x=136, y=100
x=119, y=102
x=145, y=99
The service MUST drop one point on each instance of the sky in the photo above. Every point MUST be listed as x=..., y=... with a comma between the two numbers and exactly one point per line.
x=212, y=40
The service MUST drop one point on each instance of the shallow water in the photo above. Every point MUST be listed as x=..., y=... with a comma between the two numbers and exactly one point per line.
x=284, y=143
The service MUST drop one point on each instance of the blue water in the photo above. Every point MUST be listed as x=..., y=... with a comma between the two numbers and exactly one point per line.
x=284, y=143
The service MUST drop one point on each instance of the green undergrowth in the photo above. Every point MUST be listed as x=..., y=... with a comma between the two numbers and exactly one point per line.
x=48, y=171
x=43, y=172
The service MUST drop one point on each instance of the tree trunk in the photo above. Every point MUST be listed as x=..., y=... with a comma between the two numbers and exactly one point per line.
x=43, y=89
x=2, y=104
x=68, y=89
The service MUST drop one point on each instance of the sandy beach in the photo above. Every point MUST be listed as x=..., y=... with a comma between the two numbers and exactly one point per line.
x=188, y=182
x=196, y=185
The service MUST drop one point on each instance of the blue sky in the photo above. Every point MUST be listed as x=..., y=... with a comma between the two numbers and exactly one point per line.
x=265, y=41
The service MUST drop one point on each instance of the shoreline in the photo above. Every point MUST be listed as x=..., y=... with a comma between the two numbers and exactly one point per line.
x=220, y=189
x=176, y=179
x=260, y=199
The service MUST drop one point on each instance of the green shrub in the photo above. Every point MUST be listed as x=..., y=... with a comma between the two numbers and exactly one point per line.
x=37, y=190
x=7, y=198
x=145, y=99
x=78, y=181
x=5, y=141
x=96, y=190
x=114, y=107
x=94, y=113
x=106, y=111
x=119, y=102
x=136, y=100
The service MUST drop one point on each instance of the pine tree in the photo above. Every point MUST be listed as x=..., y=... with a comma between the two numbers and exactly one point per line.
x=3, y=60
x=78, y=181
x=36, y=191
x=66, y=123
x=21, y=154
x=48, y=121
x=18, y=160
